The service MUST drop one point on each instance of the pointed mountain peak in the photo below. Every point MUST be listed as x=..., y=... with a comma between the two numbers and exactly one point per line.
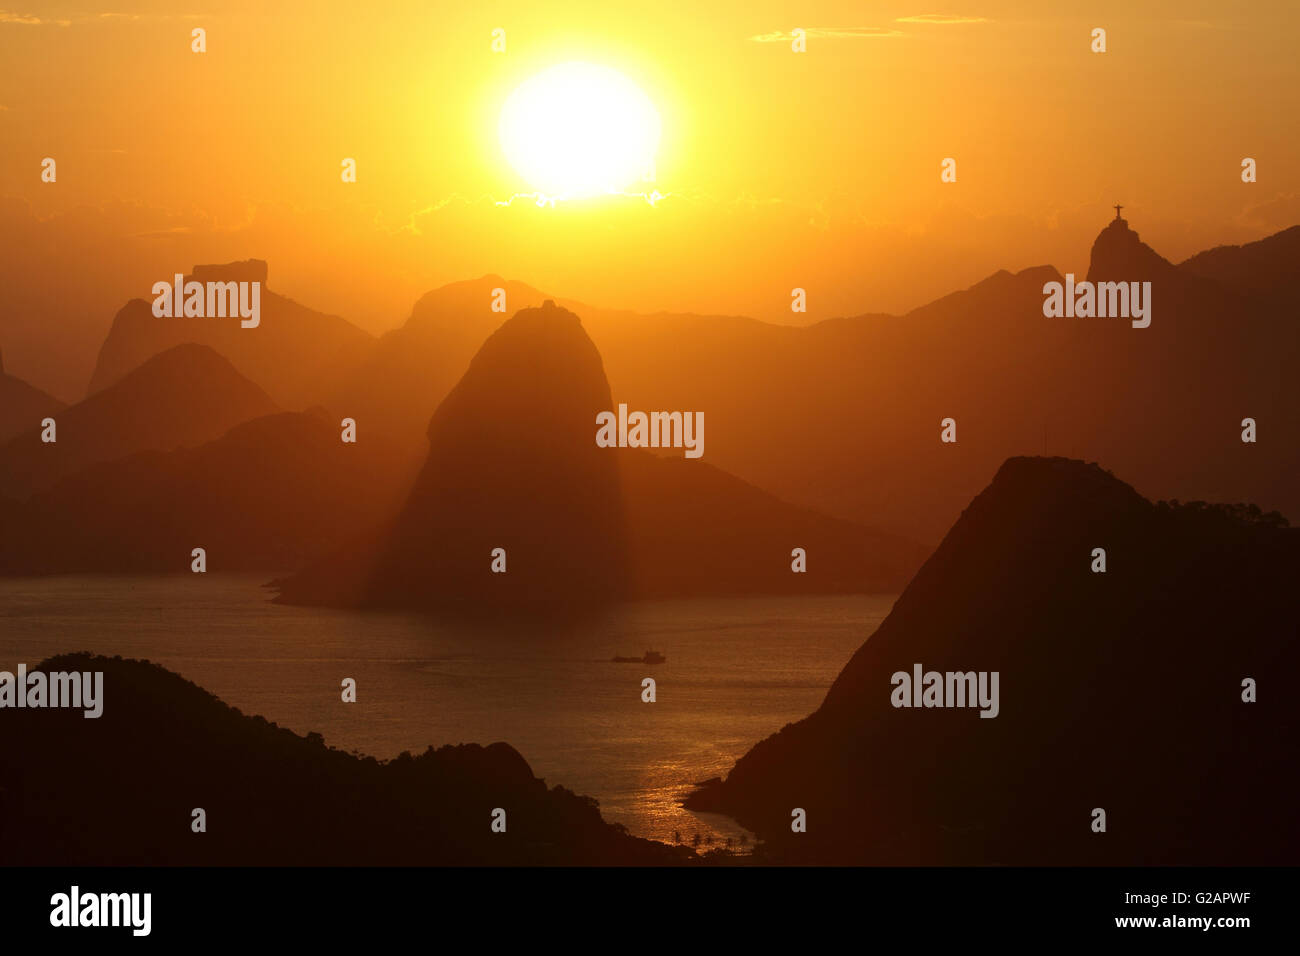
x=537, y=358
x=513, y=469
x=247, y=270
x=1065, y=486
x=470, y=304
x=1119, y=254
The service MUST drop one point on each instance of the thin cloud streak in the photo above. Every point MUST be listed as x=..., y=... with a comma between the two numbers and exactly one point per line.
x=32, y=20
x=941, y=19
x=830, y=33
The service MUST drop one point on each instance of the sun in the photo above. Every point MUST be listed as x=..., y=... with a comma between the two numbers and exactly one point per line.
x=579, y=130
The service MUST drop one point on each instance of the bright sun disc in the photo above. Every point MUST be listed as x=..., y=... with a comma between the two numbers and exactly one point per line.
x=578, y=130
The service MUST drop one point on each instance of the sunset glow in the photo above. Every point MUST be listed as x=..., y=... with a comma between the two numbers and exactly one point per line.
x=578, y=130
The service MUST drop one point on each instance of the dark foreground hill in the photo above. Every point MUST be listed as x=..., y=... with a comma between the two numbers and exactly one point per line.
x=1120, y=690
x=120, y=790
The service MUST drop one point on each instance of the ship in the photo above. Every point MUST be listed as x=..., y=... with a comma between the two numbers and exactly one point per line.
x=650, y=657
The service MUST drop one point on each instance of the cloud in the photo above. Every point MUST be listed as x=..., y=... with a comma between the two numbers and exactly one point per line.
x=941, y=18
x=829, y=33
x=30, y=19
x=171, y=233
x=145, y=16
x=1278, y=212
x=1202, y=25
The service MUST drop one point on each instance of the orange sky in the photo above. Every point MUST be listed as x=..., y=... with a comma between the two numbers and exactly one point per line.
x=818, y=170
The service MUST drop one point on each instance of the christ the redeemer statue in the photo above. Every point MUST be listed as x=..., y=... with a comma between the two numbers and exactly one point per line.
x=1117, y=209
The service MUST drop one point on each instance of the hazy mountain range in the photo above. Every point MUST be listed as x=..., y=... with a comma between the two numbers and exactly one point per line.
x=185, y=452
x=841, y=418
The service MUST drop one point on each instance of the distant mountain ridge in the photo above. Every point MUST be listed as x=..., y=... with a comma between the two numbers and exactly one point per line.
x=1267, y=265
x=856, y=415
x=268, y=495
x=22, y=405
x=186, y=395
x=298, y=355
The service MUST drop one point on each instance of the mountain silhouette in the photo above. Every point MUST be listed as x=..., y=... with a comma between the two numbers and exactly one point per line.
x=1119, y=690
x=413, y=367
x=269, y=495
x=844, y=416
x=1119, y=254
x=186, y=395
x=513, y=464
x=852, y=430
x=1142, y=400
x=298, y=355
x=1187, y=297
x=271, y=797
x=22, y=405
x=1266, y=266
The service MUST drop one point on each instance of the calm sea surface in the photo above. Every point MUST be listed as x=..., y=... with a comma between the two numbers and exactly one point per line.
x=737, y=671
